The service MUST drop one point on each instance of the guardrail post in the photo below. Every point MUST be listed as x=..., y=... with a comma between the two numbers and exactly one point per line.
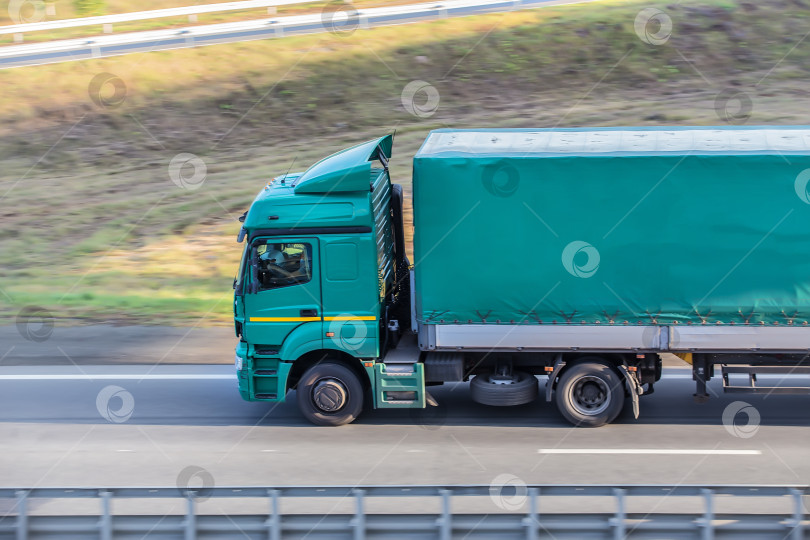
x=22, y=515
x=531, y=521
x=446, y=521
x=191, y=518
x=797, y=530
x=274, y=521
x=359, y=521
x=708, y=515
x=619, y=520
x=105, y=521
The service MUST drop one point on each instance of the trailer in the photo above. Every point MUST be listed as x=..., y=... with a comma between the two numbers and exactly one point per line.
x=574, y=255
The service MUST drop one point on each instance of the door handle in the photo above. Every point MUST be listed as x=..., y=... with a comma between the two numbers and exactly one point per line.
x=309, y=312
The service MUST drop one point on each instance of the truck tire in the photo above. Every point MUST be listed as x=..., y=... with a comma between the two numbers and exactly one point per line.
x=330, y=394
x=590, y=394
x=522, y=390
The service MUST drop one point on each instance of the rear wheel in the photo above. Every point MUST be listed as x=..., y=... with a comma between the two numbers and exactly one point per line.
x=330, y=394
x=590, y=394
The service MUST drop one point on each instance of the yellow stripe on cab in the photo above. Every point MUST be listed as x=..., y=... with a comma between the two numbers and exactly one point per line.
x=310, y=319
x=284, y=319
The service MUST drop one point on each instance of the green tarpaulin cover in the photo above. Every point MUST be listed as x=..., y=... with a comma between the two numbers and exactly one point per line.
x=622, y=225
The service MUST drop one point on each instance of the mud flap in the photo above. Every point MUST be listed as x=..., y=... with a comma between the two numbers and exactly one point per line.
x=558, y=365
x=633, y=388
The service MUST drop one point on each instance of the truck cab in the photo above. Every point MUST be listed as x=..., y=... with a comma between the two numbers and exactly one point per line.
x=322, y=290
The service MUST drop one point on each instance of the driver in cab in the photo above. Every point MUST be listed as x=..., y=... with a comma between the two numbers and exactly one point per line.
x=271, y=255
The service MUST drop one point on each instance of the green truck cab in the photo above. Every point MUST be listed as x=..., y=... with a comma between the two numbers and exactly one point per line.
x=580, y=255
x=323, y=276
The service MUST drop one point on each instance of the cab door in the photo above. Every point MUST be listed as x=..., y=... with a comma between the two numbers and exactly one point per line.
x=351, y=297
x=282, y=292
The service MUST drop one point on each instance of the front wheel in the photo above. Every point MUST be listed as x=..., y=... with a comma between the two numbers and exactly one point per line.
x=330, y=394
x=590, y=394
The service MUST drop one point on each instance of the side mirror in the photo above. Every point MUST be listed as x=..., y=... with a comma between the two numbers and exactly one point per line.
x=253, y=283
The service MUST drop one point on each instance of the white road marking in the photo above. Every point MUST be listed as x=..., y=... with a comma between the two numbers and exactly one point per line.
x=110, y=377
x=663, y=451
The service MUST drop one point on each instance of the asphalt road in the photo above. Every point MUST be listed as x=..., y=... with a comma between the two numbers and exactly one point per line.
x=34, y=343
x=63, y=425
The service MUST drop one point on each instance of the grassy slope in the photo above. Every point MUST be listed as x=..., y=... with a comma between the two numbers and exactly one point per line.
x=65, y=9
x=93, y=228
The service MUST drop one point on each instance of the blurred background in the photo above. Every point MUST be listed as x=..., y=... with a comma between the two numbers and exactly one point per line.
x=122, y=177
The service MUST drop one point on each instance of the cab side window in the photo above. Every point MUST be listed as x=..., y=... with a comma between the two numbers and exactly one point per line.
x=282, y=264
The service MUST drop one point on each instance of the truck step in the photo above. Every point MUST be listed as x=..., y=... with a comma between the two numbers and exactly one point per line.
x=754, y=386
x=399, y=386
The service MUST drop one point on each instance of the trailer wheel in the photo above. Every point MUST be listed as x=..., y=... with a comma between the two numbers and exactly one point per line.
x=590, y=394
x=500, y=391
x=330, y=394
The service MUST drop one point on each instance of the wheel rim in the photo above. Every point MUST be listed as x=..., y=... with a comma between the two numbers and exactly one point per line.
x=329, y=394
x=589, y=395
x=503, y=379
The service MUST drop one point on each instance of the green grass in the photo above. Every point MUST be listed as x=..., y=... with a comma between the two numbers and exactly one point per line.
x=95, y=230
x=66, y=9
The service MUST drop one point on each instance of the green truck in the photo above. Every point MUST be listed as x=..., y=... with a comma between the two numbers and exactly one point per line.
x=575, y=255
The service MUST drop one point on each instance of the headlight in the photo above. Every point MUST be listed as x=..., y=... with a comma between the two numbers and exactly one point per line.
x=238, y=362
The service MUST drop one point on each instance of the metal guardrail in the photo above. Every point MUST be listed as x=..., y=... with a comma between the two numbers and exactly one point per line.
x=339, y=19
x=531, y=524
x=102, y=20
